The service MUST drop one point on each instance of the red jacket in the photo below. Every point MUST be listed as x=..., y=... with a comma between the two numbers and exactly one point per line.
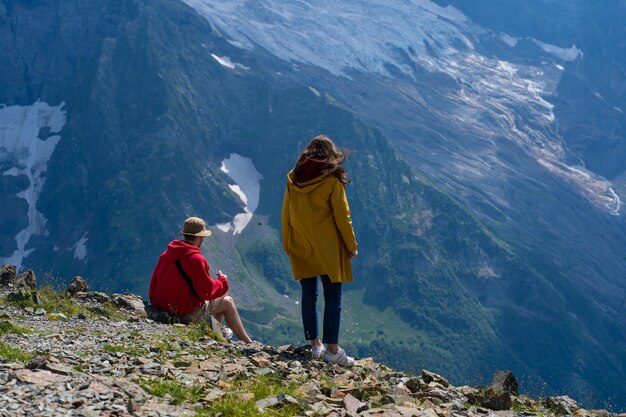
x=168, y=289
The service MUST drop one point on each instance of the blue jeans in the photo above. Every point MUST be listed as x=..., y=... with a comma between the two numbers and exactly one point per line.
x=332, y=309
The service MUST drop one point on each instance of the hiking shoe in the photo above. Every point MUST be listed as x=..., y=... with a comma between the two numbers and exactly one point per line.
x=339, y=358
x=318, y=351
x=220, y=329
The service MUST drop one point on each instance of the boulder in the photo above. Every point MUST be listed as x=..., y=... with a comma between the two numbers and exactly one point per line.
x=27, y=279
x=10, y=279
x=353, y=406
x=128, y=301
x=415, y=384
x=7, y=275
x=504, y=381
x=26, y=295
x=78, y=284
x=496, y=401
x=429, y=377
x=159, y=315
x=562, y=405
x=93, y=296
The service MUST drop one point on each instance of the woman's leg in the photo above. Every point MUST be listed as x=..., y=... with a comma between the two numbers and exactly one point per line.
x=332, y=313
x=226, y=308
x=308, y=304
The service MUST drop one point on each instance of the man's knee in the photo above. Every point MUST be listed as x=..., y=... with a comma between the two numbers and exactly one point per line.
x=229, y=302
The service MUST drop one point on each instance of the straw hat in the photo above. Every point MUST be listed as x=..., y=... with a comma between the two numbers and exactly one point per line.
x=195, y=226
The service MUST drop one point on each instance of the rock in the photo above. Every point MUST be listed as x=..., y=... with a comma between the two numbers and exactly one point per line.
x=27, y=279
x=10, y=279
x=353, y=406
x=561, y=405
x=310, y=389
x=58, y=368
x=98, y=297
x=158, y=315
x=497, y=401
x=26, y=295
x=214, y=395
x=276, y=401
x=429, y=377
x=132, y=406
x=78, y=284
x=260, y=361
x=504, y=381
x=41, y=378
x=7, y=275
x=267, y=403
x=415, y=384
x=38, y=362
x=429, y=412
x=128, y=301
x=407, y=411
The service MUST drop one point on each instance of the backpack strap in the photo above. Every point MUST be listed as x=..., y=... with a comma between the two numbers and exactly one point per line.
x=186, y=278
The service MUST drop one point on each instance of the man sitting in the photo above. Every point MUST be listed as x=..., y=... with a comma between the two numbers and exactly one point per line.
x=182, y=286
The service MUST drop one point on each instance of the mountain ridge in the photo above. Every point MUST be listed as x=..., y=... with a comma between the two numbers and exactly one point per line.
x=90, y=353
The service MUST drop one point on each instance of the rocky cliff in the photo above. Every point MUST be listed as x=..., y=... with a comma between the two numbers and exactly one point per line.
x=91, y=354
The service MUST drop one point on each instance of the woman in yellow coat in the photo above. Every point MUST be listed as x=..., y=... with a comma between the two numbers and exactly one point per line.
x=319, y=239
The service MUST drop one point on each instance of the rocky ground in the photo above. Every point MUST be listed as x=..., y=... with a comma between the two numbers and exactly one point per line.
x=91, y=354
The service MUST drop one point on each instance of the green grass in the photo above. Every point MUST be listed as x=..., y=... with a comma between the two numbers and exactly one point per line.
x=262, y=387
x=10, y=353
x=54, y=302
x=8, y=327
x=179, y=392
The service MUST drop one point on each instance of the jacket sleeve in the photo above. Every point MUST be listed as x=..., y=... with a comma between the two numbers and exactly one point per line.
x=285, y=220
x=341, y=212
x=206, y=287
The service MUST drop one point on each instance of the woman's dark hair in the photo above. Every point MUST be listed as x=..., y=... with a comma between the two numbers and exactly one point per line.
x=322, y=148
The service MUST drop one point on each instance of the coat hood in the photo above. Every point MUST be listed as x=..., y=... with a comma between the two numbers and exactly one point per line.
x=304, y=187
x=311, y=176
x=178, y=249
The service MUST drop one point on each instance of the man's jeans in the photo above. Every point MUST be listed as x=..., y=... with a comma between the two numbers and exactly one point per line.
x=332, y=309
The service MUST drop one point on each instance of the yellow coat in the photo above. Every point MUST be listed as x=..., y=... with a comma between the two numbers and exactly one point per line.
x=316, y=228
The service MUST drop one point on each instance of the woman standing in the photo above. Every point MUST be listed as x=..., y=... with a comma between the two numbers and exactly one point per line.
x=318, y=237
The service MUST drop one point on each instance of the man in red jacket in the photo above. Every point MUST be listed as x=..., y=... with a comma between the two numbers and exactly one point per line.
x=181, y=283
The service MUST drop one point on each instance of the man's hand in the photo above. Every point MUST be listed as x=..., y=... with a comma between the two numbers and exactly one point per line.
x=219, y=274
x=354, y=254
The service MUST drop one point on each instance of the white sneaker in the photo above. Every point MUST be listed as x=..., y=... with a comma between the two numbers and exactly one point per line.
x=318, y=351
x=220, y=329
x=339, y=358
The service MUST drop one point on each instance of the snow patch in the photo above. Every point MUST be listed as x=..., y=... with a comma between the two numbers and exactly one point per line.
x=247, y=187
x=615, y=204
x=507, y=67
x=565, y=54
x=618, y=109
x=80, y=248
x=19, y=137
x=509, y=40
x=314, y=91
x=226, y=62
x=559, y=67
